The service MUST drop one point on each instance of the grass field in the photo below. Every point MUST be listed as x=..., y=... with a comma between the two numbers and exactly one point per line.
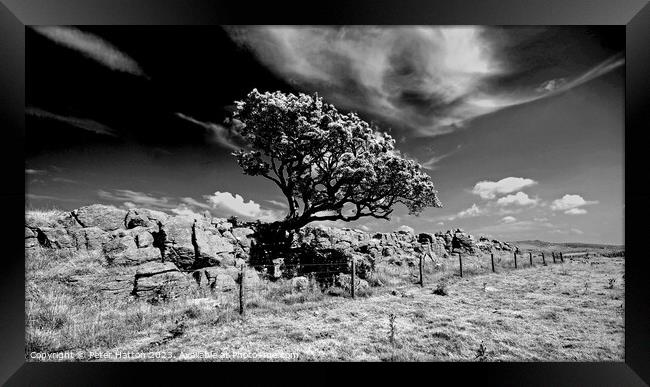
x=571, y=311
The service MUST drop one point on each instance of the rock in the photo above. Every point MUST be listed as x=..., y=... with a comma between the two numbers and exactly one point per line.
x=210, y=245
x=52, y=219
x=91, y=238
x=404, y=229
x=143, y=239
x=300, y=283
x=221, y=279
x=107, y=218
x=242, y=235
x=277, y=264
x=56, y=238
x=122, y=250
x=179, y=247
x=137, y=218
x=464, y=243
x=30, y=238
x=162, y=278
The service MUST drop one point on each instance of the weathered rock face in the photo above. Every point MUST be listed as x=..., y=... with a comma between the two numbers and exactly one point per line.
x=165, y=251
x=107, y=218
x=160, y=278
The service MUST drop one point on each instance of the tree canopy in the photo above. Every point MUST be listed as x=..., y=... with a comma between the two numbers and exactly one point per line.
x=329, y=165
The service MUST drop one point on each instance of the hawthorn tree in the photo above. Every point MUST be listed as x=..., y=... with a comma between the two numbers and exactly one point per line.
x=329, y=165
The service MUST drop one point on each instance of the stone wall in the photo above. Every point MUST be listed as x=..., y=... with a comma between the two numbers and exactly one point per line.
x=147, y=250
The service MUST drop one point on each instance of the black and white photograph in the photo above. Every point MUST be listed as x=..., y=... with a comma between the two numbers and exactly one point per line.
x=274, y=193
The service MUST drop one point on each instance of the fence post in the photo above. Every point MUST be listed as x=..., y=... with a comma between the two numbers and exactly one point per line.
x=561, y=257
x=543, y=259
x=353, y=275
x=241, y=291
x=530, y=255
x=492, y=258
x=421, y=277
x=515, y=259
x=553, y=254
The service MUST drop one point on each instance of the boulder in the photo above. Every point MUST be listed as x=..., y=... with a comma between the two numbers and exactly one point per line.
x=222, y=279
x=179, y=247
x=91, y=238
x=463, y=242
x=162, y=278
x=56, y=238
x=242, y=234
x=30, y=238
x=107, y=218
x=143, y=239
x=52, y=219
x=122, y=250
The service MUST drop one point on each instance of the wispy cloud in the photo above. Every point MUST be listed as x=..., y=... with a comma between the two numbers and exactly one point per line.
x=81, y=123
x=508, y=219
x=431, y=79
x=30, y=196
x=217, y=134
x=278, y=203
x=30, y=171
x=432, y=162
x=138, y=198
x=91, y=46
x=64, y=180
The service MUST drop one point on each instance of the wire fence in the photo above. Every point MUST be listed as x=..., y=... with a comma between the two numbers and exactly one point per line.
x=313, y=280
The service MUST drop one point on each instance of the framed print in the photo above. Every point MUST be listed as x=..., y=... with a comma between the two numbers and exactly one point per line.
x=226, y=186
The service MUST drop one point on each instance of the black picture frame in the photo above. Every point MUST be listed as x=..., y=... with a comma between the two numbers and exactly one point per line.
x=15, y=15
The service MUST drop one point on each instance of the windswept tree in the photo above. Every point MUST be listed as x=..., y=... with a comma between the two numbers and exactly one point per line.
x=329, y=165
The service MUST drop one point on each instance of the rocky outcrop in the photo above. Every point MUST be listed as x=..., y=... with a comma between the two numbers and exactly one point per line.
x=150, y=251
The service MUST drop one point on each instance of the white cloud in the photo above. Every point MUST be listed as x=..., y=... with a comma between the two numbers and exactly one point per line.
x=570, y=204
x=519, y=199
x=577, y=231
x=236, y=204
x=91, y=46
x=29, y=171
x=185, y=210
x=508, y=219
x=576, y=211
x=224, y=202
x=406, y=229
x=470, y=212
x=490, y=189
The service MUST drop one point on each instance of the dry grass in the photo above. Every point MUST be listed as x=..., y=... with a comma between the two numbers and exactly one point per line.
x=542, y=313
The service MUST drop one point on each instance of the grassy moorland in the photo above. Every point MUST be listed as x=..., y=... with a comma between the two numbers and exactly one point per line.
x=570, y=311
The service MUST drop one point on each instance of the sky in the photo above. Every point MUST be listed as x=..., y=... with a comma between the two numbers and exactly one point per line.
x=520, y=128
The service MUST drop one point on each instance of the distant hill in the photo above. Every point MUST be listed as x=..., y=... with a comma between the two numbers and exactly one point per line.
x=567, y=246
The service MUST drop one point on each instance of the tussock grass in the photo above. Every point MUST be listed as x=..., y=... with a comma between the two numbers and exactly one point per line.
x=541, y=313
